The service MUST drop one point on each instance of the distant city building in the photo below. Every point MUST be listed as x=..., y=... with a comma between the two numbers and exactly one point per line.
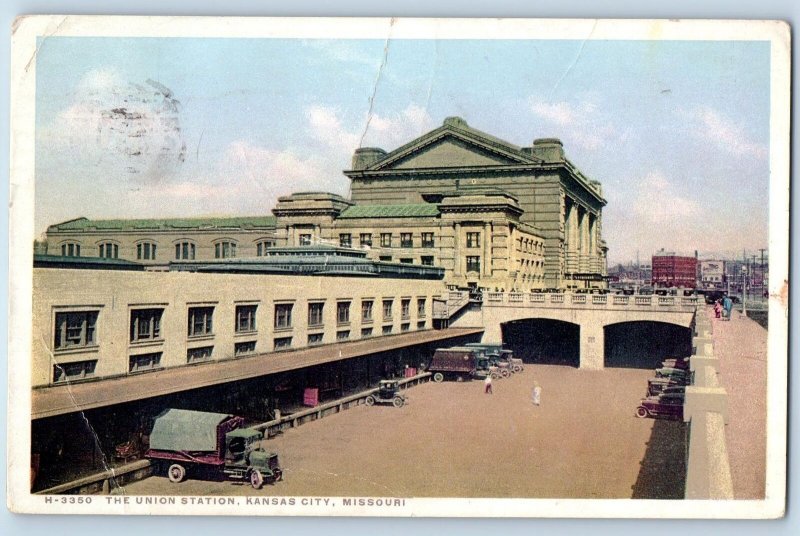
x=491, y=214
x=671, y=270
x=712, y=274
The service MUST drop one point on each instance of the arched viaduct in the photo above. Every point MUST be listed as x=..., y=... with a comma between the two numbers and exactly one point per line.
x=592, y=316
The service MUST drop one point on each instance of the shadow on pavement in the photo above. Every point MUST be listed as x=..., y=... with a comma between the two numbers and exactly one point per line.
x=663, y=469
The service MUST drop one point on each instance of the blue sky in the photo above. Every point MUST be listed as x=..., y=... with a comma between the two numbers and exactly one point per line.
x=677, y=132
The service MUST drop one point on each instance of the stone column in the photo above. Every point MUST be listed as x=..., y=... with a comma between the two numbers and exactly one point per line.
x=457, y=249
x=583, y=224
x=571, y=235
x=592, y=346
x=487, y=250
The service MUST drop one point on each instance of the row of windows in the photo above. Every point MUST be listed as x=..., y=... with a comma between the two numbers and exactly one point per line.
x=528, y=244
x=365, y=239
x=424, y=260
x=152, y=361
x=78, y=329
x=148, y=250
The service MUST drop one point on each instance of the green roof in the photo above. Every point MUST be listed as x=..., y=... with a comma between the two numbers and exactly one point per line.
x=390, y=211
x=245, y=222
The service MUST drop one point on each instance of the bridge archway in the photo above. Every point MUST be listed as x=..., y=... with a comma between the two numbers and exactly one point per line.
x=543, y=341
x=644, y=344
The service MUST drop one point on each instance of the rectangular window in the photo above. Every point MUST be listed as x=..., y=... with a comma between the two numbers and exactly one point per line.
x=244, y=348
x=263, y=246
x=315, y=314
x=365, y=239
x=405, y=308
x=75, y=330
x=473, y=263
x=246, y=318
x=196, y=355
x=366, y=333
x=421, y=302
x=74, y=371
x=366, y=310
x=141, y=363
x=201, y=321
x=405, y=327
x=405, y=240
x=385, y=258
x=386, y=240
x=426, y=260
x=387, y=309
x=343, y=313
x=314, y=338
x=146, y=324
x=473, y=240
x=70, y=250
x=305, y=239
x=343, y=335
x=345, y=240
x=407, y=261
x=421, y=324
x=282, y=343
x=283, y=315
x=387, y=329
x=427, y=240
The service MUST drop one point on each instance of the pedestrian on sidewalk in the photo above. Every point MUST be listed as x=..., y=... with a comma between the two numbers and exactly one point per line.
x=487, y=385
x=536, y=395
x=727, y=305
x=717, y=309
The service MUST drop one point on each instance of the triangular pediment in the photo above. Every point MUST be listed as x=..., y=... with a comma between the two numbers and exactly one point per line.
x=452, y=147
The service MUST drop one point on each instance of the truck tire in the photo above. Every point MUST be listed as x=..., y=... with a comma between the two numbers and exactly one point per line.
x=256, y=479
x=642, y=412
x=370, y=400
x=517, y=368
x=505, y=373
x=176, y=473
x=438, y=377
x=277, y=475
x=398, y=402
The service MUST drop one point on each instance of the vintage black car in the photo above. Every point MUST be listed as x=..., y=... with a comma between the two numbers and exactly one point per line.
x=666, y=405
x=388, y=393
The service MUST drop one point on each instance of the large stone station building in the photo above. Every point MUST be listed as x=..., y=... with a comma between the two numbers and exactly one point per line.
x=492, y=214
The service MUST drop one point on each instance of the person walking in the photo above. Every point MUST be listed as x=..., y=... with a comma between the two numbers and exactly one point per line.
x=727, y=305
x=487, y=385
x=717, y=309
x=536, y=395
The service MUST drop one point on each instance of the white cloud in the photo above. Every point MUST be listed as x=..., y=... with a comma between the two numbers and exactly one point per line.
x=582, y=124
x=658, y=202
x=713, y=127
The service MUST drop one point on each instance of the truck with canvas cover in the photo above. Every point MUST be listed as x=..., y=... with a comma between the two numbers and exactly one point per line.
x=459, y=363
x=196, y=442
x=498, y=355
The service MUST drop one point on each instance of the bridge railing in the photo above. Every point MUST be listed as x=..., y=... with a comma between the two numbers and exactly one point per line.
x=570, y=299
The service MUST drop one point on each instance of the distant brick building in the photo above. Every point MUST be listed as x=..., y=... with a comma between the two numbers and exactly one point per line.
x=670, y=270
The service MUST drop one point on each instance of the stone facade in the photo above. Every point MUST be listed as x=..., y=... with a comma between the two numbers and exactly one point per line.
x=492, y=214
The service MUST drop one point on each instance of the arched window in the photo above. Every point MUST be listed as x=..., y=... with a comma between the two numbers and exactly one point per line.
x=108, y=250
x=70, y=249
x=224, y=249
x=184, y=251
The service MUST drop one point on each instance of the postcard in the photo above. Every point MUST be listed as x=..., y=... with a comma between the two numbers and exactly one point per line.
x=399, y=267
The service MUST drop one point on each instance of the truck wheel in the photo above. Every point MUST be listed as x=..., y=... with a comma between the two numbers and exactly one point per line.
x=370, y=401
x=505, y=373
x=495, y=376
x=642, y=412
x=438, y=377
x=517, y=368
x=398, y=402
x=277, y=475
x=256, y=479
x=176, y=473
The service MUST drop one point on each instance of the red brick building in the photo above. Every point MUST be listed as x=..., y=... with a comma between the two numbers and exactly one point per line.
x=670, y=270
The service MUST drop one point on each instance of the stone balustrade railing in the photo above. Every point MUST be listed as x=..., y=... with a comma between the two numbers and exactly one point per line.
x=538, y=299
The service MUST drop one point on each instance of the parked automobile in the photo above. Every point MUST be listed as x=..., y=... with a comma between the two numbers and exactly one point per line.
x=497, y=355
x=656, y=386
x=388, y=393
x=676, y=362
x=666, y=405
x=676, y=373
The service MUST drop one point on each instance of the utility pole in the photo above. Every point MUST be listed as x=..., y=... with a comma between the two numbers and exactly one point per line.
x=762, y=250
